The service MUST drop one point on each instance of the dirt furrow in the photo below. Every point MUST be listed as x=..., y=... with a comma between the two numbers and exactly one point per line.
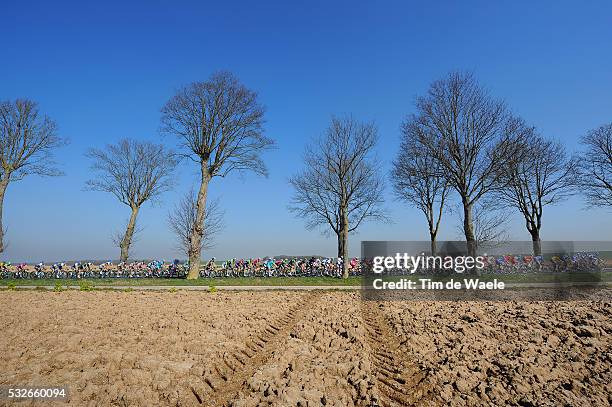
x=223, y=381
x=400, y=382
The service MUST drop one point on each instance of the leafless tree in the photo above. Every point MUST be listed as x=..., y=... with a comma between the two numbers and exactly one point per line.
x=490, y=223
x=183, y=218
x=545, y=175
x=471, y=135
x=220, y=125
x=27, y=141
x=134, y=172
x=340, y=186
x=596, y=166
x=418, y=179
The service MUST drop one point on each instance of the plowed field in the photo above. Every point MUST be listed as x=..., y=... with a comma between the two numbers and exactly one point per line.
x=293, y=348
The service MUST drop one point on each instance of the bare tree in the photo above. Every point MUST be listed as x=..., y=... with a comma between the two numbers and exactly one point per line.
x=183, y=218
x=27, y=141
x=220, y=125
x=340, y=186
x=418, y=179
x=596, y=166
x=134, y=172
x=490, y=223
x=471, y=135
x=545, y=175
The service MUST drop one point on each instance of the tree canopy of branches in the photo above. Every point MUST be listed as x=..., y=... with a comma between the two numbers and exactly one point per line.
x=417, y=179
x=220, y=126
x=340, y=186
x=134, y=172
x=471, y=135
x=596, y=166
x=545, y=175
x=182, y=219
x=27, y=141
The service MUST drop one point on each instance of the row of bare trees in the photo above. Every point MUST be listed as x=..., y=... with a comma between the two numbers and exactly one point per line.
x=460, y=142
x=219, y=124
x=463, y=140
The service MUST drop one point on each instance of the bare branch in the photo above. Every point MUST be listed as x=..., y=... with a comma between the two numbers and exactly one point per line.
x=419, y=180
x=118, y=235
x=220, y=123
x=27, y=141
x=183, y=219
x=542, y=175
x=596, y=166
x=340, y=173
x=133, y=171
x=490, y=223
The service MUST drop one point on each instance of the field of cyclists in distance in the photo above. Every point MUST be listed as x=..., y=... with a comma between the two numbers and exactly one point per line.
x=284, y=270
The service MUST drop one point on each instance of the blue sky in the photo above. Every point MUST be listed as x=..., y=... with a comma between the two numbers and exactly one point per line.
x=103, y=71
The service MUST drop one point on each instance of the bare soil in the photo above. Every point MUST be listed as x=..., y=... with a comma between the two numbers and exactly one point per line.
x=288, y=348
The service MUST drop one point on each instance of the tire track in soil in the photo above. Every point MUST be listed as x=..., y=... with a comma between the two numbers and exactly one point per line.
x=400, y=382
x=230, y=375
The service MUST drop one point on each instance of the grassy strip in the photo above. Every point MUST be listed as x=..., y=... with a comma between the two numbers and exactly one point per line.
x=307, y=281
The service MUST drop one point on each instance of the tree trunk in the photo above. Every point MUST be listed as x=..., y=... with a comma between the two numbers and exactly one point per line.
x=468, y=228
x=195, y=245
x=3, y=185
x=434, y=248
x=343, y=242
x=129, y=233
x=537, y=243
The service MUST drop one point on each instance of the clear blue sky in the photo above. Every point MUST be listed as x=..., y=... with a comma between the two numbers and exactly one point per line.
x=103, y=70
